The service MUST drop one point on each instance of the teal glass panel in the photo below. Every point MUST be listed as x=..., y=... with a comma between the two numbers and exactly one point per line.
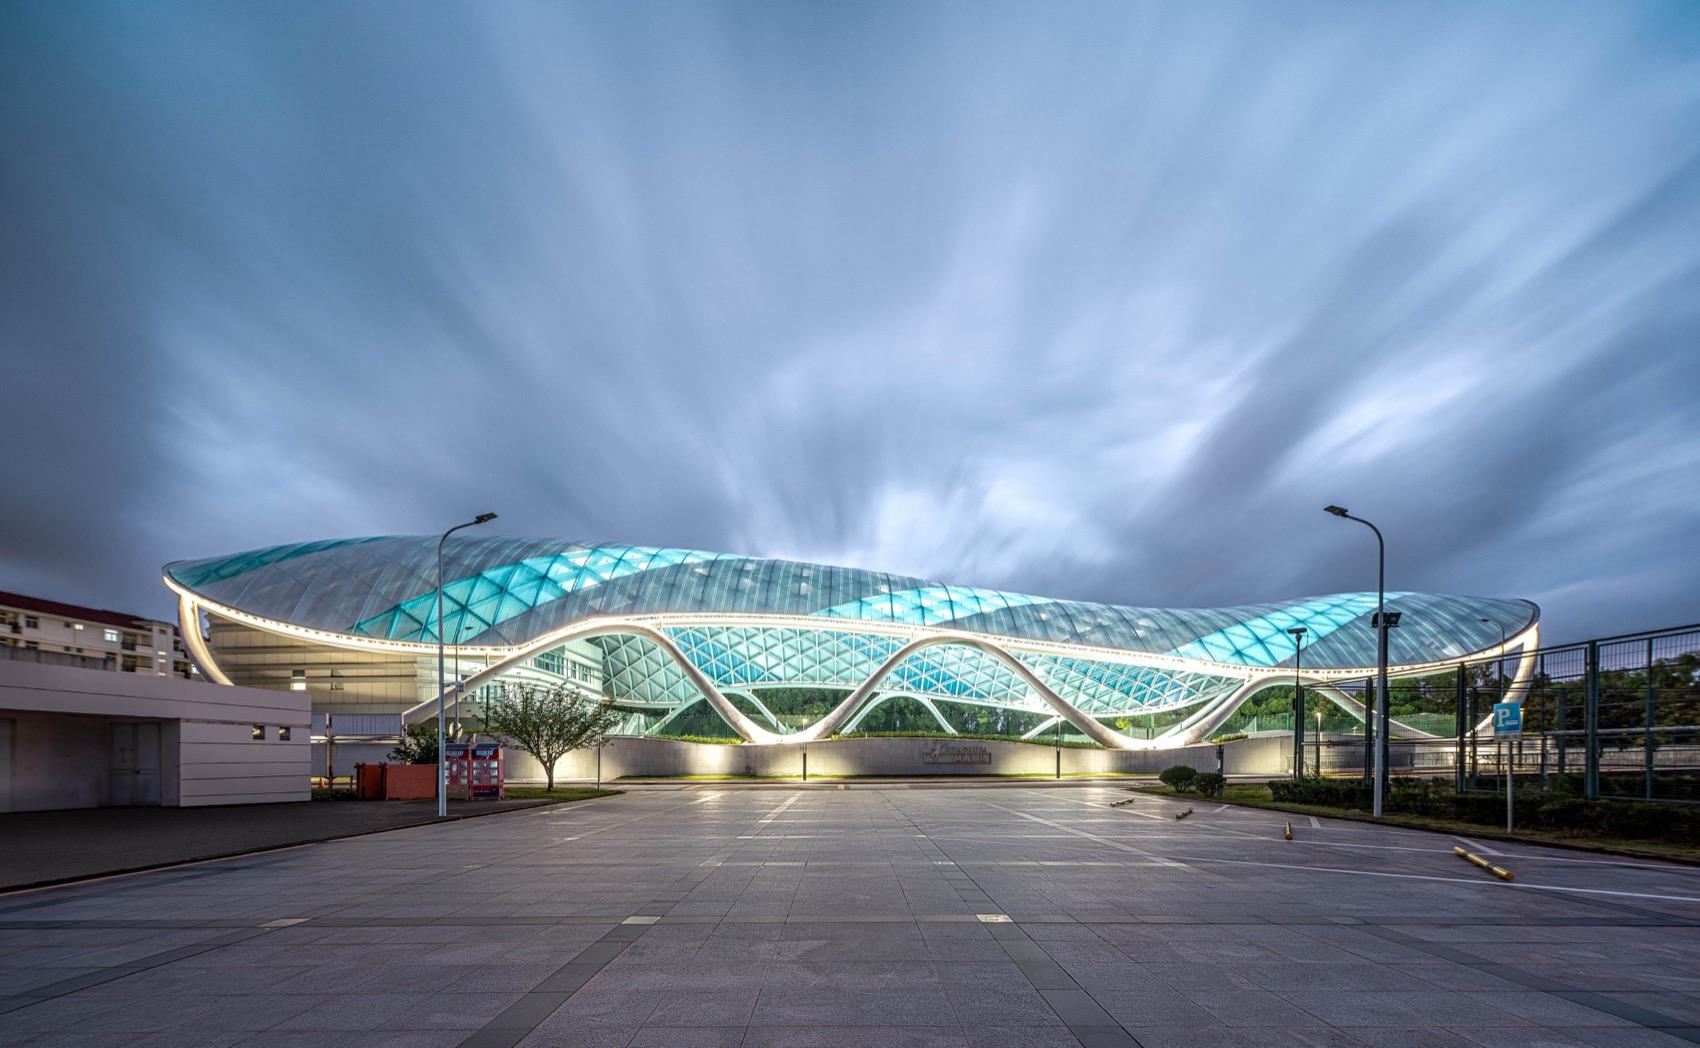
x=928, y=606
x=479, y=602
x=1264, y=640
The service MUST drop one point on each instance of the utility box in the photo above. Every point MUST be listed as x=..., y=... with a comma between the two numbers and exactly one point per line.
x=475, y=770
x=456, y=768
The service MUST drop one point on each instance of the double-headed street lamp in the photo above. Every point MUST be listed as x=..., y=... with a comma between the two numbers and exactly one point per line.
x=1379, y=742
x=1298, y=635
x=442, y=763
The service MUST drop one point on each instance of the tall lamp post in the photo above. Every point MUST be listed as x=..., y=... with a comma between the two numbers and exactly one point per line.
x=1298, y=635
x=442, y=764
x=1381, y=712
x=1319, y=743
x=1500, y=674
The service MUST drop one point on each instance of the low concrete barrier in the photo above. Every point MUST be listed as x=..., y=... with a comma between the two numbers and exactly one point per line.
x=635, y=757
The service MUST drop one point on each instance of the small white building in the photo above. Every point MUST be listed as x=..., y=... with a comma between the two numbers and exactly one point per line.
x=83, y=738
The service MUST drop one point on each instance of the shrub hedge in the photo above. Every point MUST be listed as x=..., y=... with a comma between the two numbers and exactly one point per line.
x=1558, y=809
x=1178, y=778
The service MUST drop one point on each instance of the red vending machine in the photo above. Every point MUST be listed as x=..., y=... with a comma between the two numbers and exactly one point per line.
x=484, y=770
x=456, y=769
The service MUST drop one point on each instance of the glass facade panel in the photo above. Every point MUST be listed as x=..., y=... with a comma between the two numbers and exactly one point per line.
x=503, y=594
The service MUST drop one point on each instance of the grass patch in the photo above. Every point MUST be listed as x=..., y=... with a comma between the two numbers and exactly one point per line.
x=1256, y=795
x=559, y=793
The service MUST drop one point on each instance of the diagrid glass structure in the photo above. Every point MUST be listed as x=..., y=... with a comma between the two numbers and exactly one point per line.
x=689, y=642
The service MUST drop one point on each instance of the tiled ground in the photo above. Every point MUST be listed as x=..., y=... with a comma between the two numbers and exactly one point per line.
x=877, y=915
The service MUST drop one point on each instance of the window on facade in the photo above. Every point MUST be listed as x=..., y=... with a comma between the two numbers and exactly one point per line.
x=283, y=734
x=260, y=732
x=31, y=645
x=549, y=662
x=31, y=622
x=112, y=636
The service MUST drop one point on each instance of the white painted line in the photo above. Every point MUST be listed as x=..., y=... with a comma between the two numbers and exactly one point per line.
x=1475, y=881
x=993, y=918
x=1313, y=823
x=1224, y=807
x=640, y=920
x=1476, y=846
x=284, y=922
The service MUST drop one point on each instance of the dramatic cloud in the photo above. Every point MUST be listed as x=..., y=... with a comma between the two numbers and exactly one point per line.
x=1103, y=301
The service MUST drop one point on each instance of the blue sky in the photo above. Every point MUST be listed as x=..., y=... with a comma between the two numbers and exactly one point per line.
x=1092, y=301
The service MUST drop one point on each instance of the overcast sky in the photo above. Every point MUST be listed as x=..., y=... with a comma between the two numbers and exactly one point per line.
x=1092, y=301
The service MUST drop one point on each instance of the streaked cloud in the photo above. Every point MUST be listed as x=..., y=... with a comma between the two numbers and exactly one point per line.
x=1102, y=301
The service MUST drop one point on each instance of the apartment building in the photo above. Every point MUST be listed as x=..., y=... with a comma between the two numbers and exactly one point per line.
x=47, y=631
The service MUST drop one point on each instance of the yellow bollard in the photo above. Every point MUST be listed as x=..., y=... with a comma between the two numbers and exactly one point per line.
x=1476, y=860
x=1289, y=830
x=1181, y=815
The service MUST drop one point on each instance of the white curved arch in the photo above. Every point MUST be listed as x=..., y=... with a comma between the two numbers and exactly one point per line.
x=1089, y=726
x=740, y=723
x=189, y=627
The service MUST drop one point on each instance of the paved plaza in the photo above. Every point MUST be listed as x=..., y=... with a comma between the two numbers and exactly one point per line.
x=878, y=915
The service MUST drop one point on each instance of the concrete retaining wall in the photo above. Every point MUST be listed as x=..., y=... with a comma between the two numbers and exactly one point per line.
x=639, y=757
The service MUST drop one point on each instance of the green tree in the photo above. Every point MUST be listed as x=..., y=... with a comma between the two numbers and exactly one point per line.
x=418, y=745
x=550, y=722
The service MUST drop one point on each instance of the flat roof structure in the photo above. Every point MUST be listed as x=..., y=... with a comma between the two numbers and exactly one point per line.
x=775, y=650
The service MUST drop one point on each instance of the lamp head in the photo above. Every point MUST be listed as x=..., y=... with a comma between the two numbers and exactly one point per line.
x=1338, y=511
x=1298, y=631
x=483, y=518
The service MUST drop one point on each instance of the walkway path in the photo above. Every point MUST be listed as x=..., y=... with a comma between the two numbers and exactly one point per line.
x=870, y=916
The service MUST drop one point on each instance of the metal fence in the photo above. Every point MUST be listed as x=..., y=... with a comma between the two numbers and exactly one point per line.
x=1615, y=717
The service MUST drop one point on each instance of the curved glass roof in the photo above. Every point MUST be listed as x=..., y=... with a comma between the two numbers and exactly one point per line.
x=505, y=592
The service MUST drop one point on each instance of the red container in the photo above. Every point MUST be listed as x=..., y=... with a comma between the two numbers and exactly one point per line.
x=395, y=782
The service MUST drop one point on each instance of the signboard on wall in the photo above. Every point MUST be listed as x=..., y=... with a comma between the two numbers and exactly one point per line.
x=956, y=753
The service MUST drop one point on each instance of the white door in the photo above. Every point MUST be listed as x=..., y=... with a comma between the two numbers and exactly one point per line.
x=134, y=774
x=8, y=729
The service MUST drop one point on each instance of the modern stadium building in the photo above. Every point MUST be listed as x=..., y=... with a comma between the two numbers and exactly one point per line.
x=690, y=643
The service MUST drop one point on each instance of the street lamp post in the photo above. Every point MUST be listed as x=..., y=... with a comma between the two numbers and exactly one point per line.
x=1500, y=682
x=1381, y=711
x=442, y=763
x=1298, y=635
x=1319, y=743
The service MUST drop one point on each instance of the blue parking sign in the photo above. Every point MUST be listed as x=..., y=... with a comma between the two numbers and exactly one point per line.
x=1507, y=718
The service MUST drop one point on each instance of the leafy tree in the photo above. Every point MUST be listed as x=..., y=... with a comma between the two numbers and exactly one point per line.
x=418, y=745
x=550, y=722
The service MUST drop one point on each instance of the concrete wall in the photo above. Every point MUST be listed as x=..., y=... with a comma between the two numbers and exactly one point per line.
x=58, y=749
x=628, y=756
